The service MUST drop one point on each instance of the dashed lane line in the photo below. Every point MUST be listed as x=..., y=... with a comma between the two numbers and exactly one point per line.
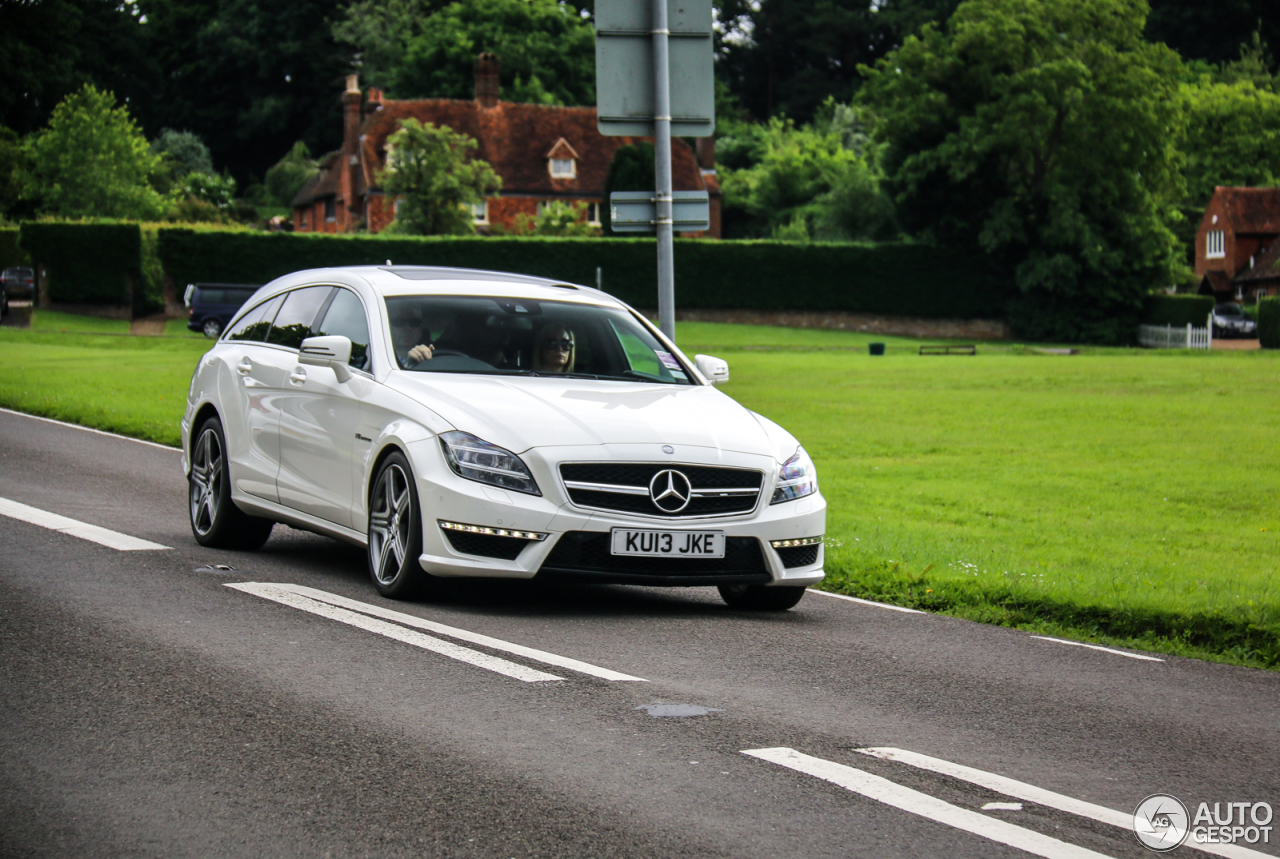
x=1142, y=656
x=1040, y=796
x=371, y=624
x=932, y=808
x=75, y=528
x=462, y=634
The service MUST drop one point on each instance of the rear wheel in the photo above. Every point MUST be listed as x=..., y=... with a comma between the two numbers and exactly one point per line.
x=395, y=532
x=761, y=598
x=212, y=328
x=215, y=519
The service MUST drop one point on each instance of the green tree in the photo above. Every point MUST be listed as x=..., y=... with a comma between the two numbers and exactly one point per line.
x=287, y=176
x=430, y=169
x=632, y=169
x=92, y=160
x=546, y=50
x=558, y=218
x=809, y=182
x=11, y=170
x=183, y=152
x=379, y=31
x=1045, y=133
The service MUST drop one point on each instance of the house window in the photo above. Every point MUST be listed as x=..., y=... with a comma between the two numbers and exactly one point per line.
x=330, y=209
x=593, y=214
x=1215, y=242
x=563, y=168
x=395, y=209
x=304, y=219
x=480, y=212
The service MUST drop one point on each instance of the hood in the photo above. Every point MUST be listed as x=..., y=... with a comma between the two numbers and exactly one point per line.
x=522, y=413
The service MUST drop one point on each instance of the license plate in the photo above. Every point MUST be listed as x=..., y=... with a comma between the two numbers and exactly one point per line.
x=668, y=544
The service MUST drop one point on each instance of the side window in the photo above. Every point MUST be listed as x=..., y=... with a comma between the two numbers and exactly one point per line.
x=293, y=323
x=346, y=317
x=255, y=324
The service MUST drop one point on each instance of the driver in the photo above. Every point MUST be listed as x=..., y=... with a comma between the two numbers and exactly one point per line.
x=406, y=337
x=553, y=349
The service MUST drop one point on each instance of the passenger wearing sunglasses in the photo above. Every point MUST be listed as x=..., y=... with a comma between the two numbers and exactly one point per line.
x=553, y=350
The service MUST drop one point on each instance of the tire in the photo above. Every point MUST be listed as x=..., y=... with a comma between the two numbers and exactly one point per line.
x=212, y=328
x=761, y=598
x=395, y=533
x=215, y=519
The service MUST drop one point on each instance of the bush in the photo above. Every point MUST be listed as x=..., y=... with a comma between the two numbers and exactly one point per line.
x=1176, y=310
x=87, y=262
x=899, y=278
x=1269, y=322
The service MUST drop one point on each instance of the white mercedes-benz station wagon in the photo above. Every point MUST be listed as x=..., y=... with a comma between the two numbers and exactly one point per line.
x=473, y=423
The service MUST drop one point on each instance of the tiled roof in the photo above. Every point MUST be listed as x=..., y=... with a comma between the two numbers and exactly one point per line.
x=515, y=139
x=1218, y=281
x=1266, y=265
x=323, y=184
x=1251, y=210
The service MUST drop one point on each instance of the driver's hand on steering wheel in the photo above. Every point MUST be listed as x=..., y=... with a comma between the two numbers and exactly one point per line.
x=421, y=353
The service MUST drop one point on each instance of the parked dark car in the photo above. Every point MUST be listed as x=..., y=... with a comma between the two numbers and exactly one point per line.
x=16, y=282
x=1229, y=321
x=211, y=305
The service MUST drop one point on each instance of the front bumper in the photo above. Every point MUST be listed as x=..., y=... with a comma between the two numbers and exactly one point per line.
x=446, y=497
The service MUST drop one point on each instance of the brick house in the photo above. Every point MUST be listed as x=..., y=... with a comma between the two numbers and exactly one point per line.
x=543, y=153
x=1238, y=244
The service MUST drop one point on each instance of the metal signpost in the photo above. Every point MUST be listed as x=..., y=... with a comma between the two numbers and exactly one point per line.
x=654, y=77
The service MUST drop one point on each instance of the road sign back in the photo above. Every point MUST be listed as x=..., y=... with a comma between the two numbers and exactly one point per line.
x=624, y=68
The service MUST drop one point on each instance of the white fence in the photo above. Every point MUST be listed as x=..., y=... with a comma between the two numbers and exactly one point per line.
x=1175, y=337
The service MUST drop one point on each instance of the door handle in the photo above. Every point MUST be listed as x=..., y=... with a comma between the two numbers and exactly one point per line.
x=245, y=367
x=298, y=376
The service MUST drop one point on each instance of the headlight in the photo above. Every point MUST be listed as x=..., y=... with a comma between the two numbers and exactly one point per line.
x=476, y=459
x=796, y=479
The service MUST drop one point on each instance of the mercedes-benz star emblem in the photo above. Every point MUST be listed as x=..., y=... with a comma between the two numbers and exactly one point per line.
x=670, y=491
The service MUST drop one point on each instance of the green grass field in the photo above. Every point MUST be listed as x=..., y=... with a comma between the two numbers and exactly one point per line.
x=1120, y=496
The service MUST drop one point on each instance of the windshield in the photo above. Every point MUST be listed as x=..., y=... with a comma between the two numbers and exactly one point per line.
x=1229, y=310
x=516, y=336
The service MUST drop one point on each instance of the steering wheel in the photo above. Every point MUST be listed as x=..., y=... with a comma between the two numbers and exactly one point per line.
x=445, y=353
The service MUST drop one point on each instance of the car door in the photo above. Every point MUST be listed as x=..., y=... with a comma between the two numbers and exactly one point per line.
x=250, y=381
x=319, y=417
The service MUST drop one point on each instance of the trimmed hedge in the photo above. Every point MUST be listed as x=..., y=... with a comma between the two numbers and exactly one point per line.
x=1269, y=322
x=900, y=279
x=87, y=263
x=1177, y=310
x=10, y=252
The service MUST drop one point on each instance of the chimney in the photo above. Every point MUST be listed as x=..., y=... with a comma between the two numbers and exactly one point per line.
x=374, y=103
x=351, y=116
x=487, y=68
x=706, y=152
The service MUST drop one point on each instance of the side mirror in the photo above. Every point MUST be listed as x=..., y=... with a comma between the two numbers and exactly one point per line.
x=331, y=350
x=715, y=370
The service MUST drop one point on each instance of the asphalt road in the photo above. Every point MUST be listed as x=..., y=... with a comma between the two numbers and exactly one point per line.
x=149, y=709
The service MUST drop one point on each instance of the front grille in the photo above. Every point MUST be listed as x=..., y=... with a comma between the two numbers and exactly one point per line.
x=798, y=556
x=486, y=545
x=586, y=554
x=624, y=487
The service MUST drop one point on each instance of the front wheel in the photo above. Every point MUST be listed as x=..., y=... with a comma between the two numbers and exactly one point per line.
x=212, y=328
x=761, y=598
x=395, y=532
x=215, y=519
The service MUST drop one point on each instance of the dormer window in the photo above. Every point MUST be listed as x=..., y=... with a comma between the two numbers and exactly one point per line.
x=562, y=161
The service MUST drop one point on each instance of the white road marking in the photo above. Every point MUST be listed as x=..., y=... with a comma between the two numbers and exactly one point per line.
x=465, y=635
x=391, y=630
x=1040, y=796
x=91, y=429
x=75, y=528
x=868, y=602
x=915, y=802
x=1002, y=806
x=1142, y=656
